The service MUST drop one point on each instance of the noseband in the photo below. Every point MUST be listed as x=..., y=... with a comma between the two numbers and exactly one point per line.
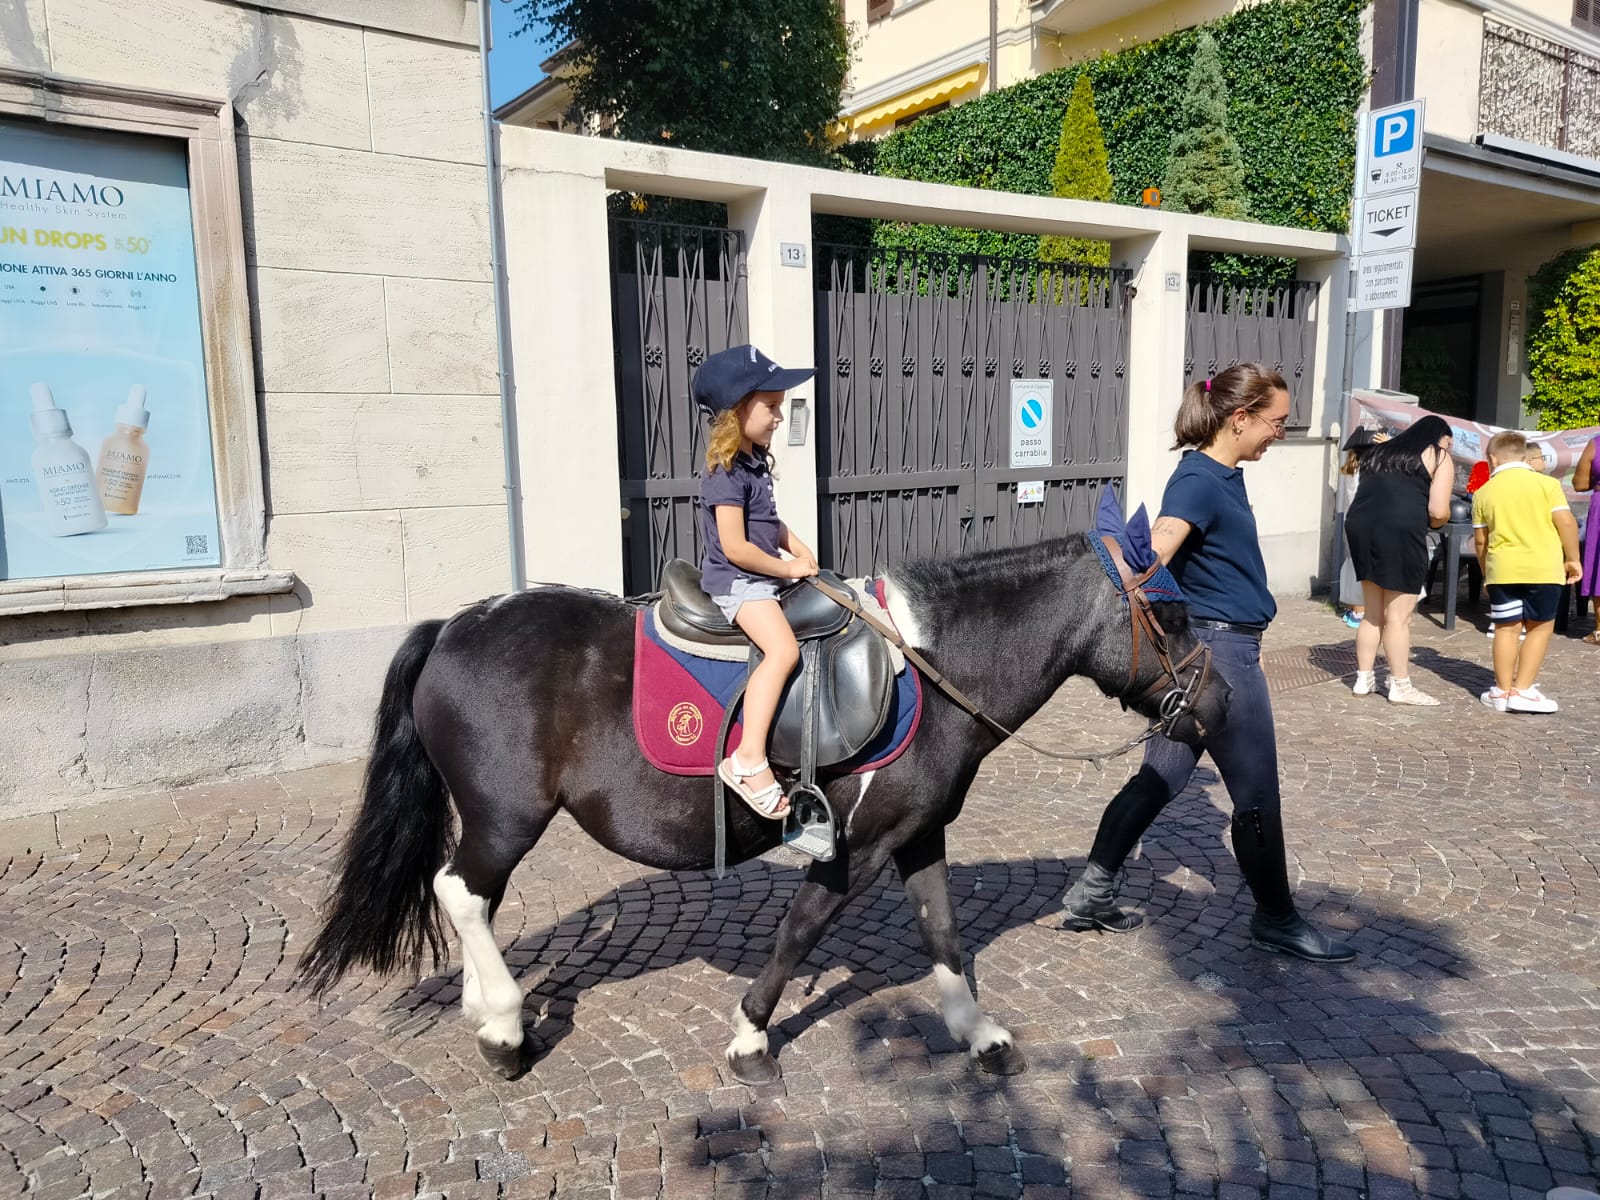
x=1180, y=694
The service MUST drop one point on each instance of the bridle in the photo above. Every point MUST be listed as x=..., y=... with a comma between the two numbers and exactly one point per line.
x=1181, y=694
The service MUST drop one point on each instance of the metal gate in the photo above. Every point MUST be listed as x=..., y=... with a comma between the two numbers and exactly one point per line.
x=677, y=295
x=1228, y=323
x=915, y=358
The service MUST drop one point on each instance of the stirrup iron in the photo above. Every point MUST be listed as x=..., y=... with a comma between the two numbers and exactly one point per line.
x=810, y=827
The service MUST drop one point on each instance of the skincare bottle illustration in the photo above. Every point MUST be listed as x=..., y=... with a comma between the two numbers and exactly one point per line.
x=63, y=471
x=125, y=456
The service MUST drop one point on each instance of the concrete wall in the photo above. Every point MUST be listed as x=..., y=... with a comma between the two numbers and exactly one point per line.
x=559, y=317
x=365, y=215
x=1449, y=66
x=1145, y=25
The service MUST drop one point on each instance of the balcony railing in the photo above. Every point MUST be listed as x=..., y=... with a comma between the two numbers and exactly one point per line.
x=1539, y=91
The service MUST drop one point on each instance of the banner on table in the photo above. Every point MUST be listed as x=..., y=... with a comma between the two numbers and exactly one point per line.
x=105, y=424
x=1558, y=451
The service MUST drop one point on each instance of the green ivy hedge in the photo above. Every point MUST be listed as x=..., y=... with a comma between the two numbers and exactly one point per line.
x=1295, y=77
x=1564, y=340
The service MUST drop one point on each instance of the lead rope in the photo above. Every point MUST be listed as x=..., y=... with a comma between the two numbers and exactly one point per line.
x=848, y=601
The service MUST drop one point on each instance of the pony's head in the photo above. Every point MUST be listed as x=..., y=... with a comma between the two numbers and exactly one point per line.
x=1169, y=677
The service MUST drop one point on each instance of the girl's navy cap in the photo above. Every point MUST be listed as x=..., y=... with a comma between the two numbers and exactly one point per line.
x=728, y=376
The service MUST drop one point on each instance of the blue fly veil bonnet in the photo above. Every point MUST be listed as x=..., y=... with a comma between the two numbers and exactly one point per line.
x=1133, y=538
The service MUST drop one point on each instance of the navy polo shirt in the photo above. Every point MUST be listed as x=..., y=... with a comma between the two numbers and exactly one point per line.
x=1219, y=566
x=747, y=485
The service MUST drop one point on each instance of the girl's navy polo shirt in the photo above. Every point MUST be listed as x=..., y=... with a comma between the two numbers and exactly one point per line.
x=747, y=485
x=1219, y=566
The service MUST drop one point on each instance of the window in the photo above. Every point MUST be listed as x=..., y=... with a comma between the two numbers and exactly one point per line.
x=1586, y=15
x=917, y=116
x=877, y=10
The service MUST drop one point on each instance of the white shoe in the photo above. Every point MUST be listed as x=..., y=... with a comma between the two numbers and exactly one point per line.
x=1495, y=699
x=1366, y=683
x=1530, y=700
x=1403, y=691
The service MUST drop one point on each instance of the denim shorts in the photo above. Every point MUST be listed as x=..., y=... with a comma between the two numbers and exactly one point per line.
x=745, y=588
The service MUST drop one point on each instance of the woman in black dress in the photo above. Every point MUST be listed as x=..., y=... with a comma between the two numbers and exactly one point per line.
x=1405, y=491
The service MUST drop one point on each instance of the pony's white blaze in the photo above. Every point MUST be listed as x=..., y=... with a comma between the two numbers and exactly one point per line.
x=902, y=616
x=498, y=1000
x=747, y=1039
x=962, y=1016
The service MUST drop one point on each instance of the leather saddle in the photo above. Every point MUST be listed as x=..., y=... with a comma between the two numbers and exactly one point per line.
x=845, y=672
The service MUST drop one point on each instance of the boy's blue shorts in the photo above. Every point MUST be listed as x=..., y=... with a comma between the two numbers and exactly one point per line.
x=1512, y=602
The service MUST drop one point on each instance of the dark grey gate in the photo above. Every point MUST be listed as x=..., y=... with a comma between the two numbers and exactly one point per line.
x=915, y=358
x=1227, y=323
x=677, y=294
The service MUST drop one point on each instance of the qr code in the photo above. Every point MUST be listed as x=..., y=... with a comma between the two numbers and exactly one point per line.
x=196, y=543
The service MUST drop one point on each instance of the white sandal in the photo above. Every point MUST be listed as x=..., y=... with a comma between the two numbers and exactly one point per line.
x=1403, y=691
x=767, y=801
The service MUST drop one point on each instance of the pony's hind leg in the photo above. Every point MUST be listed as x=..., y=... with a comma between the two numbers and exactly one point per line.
x=921, y=864
x=490, y=997
x=470, y=889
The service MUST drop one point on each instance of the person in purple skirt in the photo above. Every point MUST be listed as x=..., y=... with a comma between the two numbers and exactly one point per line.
x=1583, y=480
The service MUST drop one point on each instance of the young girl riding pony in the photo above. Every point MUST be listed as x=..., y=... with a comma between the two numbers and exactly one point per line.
x=742, y=391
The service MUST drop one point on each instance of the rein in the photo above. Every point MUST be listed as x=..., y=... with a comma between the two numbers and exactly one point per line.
x=1179, y=700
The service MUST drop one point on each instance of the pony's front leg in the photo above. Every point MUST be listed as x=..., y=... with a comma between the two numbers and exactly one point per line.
x=827, y=889
x=921, y=864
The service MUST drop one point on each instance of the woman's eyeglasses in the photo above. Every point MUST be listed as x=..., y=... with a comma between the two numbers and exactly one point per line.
x=1278, y=427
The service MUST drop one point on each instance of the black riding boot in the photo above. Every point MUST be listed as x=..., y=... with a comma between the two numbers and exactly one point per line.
x=1276, y=926
x=1090, y=903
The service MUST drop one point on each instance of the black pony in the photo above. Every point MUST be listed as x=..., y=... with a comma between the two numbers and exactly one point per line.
x=521, y=705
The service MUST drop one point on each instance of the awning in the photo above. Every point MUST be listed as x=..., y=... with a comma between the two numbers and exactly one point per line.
x=914, y=101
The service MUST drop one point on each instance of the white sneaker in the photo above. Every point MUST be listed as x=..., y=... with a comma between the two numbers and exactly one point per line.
x=1403, y=691
x=1530, y=700
x=1495, y=699
x=1366, y=683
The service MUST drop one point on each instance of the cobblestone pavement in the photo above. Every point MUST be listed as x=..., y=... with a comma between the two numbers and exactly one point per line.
x=150, y=1045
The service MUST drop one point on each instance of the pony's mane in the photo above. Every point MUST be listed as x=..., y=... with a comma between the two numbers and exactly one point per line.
x=1004, y=567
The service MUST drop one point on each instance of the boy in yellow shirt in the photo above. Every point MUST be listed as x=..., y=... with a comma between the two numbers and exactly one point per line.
x=1527, y=543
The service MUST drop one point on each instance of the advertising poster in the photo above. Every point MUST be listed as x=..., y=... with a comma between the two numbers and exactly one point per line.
x=105, y=427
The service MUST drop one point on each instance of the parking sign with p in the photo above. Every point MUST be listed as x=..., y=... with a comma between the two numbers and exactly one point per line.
x=1394, y=149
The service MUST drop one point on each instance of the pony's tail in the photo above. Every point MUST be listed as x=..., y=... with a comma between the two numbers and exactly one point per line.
x=382, y=913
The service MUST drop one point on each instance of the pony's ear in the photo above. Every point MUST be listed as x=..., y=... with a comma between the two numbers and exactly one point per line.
x=1108, y=516
x=1136, y=546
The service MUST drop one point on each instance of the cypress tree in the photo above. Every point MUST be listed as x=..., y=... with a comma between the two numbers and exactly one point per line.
x=1205, y=169
x=1082, y=172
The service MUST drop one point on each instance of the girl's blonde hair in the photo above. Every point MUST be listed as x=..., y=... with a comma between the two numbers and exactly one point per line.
x=723, y=438
x=1352, y=463
x=1207, y=405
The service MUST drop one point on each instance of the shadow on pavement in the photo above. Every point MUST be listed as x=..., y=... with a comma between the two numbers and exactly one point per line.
x=1255, y=1073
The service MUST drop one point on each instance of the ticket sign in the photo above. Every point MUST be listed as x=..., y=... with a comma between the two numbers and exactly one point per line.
x=1393, y=160
x=1032, y=422
x=1389, y=223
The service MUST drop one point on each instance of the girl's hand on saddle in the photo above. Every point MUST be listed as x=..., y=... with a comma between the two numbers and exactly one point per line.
x=799, y=568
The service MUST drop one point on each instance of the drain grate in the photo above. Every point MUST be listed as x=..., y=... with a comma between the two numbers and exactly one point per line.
x=1302, y=666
